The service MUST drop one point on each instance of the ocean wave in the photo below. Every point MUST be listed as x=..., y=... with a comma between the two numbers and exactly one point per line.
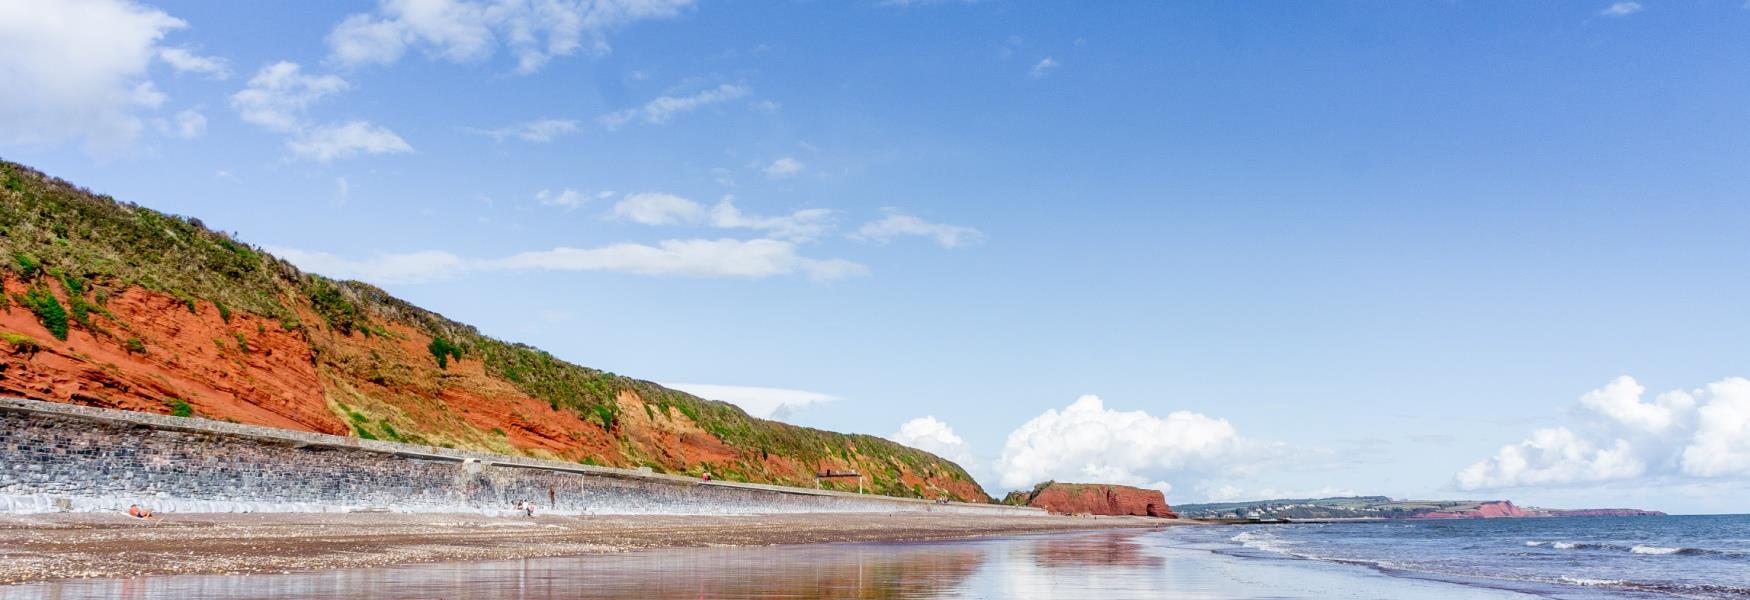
x=1643, y=549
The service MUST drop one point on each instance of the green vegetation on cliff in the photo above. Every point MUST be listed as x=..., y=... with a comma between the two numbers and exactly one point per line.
x=92, y=245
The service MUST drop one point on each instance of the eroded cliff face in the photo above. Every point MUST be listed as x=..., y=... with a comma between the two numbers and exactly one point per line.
x=1101, y=499
x=117, y=306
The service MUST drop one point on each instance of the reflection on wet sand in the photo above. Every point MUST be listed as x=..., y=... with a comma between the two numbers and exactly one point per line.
x=1141, y=565
x=824, y=571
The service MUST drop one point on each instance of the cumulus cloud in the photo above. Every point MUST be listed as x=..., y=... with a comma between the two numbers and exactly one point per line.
x=463, y=31
x=1621, y=9
x=720, y=258
x=784, y=168
x=898, y=224
x=536, y=132
x=276, y=99
x=76, y=70
x=763, y=402
x=936, y=437
x=1043, y=68
x=1621, y=436
x=1721, y=445
x=184, y=60
x=663, y=108
x=1088, y=442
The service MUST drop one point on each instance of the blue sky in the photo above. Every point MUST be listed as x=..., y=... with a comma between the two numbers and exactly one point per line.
x=1293, y=248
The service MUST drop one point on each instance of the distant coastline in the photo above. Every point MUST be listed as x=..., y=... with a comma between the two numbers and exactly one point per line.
x=1383, y=508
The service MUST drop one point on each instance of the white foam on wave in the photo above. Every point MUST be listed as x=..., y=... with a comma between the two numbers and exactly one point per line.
x=1564, y=545
x=1588, y=581
x=1535, y=543
x=1657, y=550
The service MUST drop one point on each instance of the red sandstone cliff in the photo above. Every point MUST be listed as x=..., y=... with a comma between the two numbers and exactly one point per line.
x=1483, y=510
x=113, y=305
x=1100, y=499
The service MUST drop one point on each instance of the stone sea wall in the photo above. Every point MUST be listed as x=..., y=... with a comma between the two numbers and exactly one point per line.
x=57, y=457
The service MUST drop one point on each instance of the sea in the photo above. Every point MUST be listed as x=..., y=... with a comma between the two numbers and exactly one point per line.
x=1562, y=558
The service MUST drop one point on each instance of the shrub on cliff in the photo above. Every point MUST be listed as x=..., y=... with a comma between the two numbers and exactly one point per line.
x=47, y=309
x=443, y=350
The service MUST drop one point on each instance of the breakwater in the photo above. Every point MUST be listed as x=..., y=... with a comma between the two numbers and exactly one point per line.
x=60, y=457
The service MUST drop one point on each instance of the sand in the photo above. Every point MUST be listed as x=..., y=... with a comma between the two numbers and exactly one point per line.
x=80, y=545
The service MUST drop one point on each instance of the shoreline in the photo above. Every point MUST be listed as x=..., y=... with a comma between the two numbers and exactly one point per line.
x=44, y=547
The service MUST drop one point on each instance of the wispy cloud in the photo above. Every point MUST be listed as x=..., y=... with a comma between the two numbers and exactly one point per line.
x=666, y=209
x=465, y=31
x=328, y=142
x=784, y=168
x=663, y=108
x=763, y=402
x=568, y=198
x=1044, y=68
x=184, y=60
x=535, y=132
x=898, y=224
x=701, y=258
x=1621, y=9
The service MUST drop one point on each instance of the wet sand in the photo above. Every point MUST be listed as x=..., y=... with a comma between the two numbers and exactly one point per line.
x=81, y=545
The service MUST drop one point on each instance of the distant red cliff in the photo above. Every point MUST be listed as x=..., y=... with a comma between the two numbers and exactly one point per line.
x=1506, y=509
x=1483, y=510
x=1096, y=499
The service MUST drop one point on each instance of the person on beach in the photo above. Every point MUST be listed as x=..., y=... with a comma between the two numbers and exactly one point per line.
x=705, y=477
x=135, y=511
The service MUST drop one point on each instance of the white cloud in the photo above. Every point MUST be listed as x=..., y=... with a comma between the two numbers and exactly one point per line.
x=1621, y=9
x=663, y=108
x=1086, y=442
x=186, y=124
x=933, y=436
x=76, y=70
x=897, y=224
x=569, y=198
x=763, y=402
x=463, y=31
x=276, y=97
x=658, y=209
x=1620, y=400
x=750, y=259
x=537, y=132
x=665, y=209
x=1043, y=68
x=1699, y=433
x=803, y=225
x=784, y=168
x=1721, y=445
x=412, y=267
x=184, y=60
x=328, y=142
x=342, y=190
x=1553, y=456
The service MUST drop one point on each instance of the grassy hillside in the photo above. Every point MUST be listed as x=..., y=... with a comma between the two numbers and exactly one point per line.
x=88, y=270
